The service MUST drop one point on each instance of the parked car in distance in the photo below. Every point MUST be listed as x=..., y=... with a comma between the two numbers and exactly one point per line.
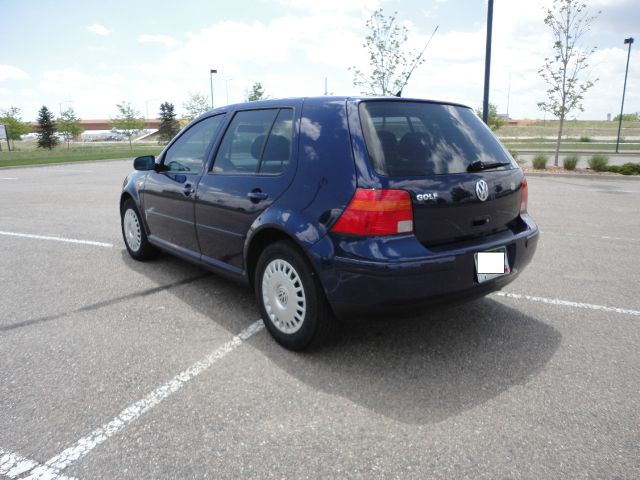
x=332, y=207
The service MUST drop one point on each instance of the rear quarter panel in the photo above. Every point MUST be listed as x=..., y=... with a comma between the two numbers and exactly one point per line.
x=325, y=178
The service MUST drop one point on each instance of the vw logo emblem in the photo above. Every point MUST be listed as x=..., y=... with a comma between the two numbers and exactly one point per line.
x=482, y=190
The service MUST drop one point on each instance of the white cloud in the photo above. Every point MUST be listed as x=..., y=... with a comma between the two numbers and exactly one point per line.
x=292, y=55
x=63, y=81
x=8, y=72
x=165, y=40
x=5, y=91
x=332, y=5
x=99, y=29
x=28, y=92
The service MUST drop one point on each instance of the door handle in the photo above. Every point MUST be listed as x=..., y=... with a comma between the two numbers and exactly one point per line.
x=188, y=190
x=257, y=195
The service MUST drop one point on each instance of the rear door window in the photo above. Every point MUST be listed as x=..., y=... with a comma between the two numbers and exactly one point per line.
x=256, y=142
x=417, y=139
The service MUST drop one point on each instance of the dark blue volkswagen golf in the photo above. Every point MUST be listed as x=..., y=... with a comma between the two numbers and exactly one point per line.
x=332, y=207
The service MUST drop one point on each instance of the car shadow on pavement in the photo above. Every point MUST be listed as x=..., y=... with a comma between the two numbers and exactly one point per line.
x=415, y=370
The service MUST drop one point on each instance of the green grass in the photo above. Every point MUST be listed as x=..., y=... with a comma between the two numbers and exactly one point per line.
x=569, y=147
x=25, y=154
x=571, y=128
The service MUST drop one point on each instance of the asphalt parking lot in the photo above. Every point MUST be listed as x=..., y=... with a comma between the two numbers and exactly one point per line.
x=111, y=368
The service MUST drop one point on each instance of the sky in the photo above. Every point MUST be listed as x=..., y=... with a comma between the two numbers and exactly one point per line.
x=92, y=55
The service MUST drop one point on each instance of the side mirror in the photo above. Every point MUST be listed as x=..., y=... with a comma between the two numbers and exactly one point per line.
x=144, y=163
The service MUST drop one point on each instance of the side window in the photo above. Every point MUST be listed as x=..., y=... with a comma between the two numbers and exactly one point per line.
x=187, y=154
x=257, y=141
x=242, y=145
x=277, y=151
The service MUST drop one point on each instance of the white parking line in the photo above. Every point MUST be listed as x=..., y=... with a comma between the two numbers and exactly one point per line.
x=57, y=239
x=566, y=303
x=8, y=178
x=83, y=446
x=13, y=465
x=599, y=237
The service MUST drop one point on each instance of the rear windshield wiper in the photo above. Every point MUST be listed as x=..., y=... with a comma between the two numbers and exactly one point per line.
x=480, y=165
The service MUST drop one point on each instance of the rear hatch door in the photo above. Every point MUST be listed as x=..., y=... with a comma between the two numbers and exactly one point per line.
x=462, y=181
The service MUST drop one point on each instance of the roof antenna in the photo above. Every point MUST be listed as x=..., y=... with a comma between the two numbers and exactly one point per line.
x=415, y=64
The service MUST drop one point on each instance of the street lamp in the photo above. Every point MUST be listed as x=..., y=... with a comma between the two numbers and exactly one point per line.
x=226, y=87
x=62, y=103
x=627, y=41
x=211, y=78
x=146, y=105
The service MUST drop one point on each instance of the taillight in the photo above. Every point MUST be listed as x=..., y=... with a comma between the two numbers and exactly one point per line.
x=377, y=212
x=524, y=196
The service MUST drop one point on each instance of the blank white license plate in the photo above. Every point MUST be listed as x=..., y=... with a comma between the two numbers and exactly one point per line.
x=491, y=264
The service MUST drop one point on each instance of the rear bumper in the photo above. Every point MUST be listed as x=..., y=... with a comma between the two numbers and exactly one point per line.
x=385, y=274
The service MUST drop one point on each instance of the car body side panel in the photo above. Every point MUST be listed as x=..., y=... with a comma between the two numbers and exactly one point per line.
x=224, y=213
x=325, y=178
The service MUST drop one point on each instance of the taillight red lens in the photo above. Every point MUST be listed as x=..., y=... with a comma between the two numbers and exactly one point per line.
x=524, y=196
x=377, y=212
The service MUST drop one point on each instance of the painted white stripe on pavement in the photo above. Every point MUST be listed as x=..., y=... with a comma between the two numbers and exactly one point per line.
x=83, y=446
x=57, y=239
x=8, y=178
x=565, y=303
x=599, y=237
x=13, y=465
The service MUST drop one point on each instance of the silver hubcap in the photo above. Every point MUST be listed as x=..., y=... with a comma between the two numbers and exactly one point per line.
x=283, y=296
x=132, y=232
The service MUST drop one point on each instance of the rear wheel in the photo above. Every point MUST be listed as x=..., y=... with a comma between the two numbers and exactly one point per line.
x=291, y=300
x=135, y=238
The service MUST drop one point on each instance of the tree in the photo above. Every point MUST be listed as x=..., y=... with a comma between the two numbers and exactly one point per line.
x=10, y=118
x=69, y=125
x=389, y=62
x=569, y=21
x=197, y=104
x=46, y=129
x=169, y=126
x=494, y=121
x=257, y=93
x=626, y=117
x=128, y=122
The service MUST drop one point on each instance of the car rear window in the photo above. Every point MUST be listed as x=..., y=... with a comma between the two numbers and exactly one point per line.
x=417, y=138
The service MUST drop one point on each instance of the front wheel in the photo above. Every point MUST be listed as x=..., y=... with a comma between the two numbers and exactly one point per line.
x=135, y=238
x=291, y=300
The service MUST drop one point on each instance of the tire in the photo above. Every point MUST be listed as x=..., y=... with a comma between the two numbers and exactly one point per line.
x=291, y=300
x=133, y=234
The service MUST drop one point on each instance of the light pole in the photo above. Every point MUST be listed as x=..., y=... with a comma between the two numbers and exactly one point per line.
x=211, y=78
x=62, y=103
x=226, y=87
x=627, y=41
x=487, y=65
x=146, y=105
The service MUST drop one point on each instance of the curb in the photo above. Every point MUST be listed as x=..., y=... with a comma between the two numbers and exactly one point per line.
x=73, y=162
x=584, y=176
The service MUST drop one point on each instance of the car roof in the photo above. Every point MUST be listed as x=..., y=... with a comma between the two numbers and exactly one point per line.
x=274, y=102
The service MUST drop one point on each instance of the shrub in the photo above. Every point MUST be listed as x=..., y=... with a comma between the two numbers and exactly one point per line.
x=540, y=161
x=570, y=161
x=584, y=138
x=513, y=153
x=628, y=169
x=598, y=163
